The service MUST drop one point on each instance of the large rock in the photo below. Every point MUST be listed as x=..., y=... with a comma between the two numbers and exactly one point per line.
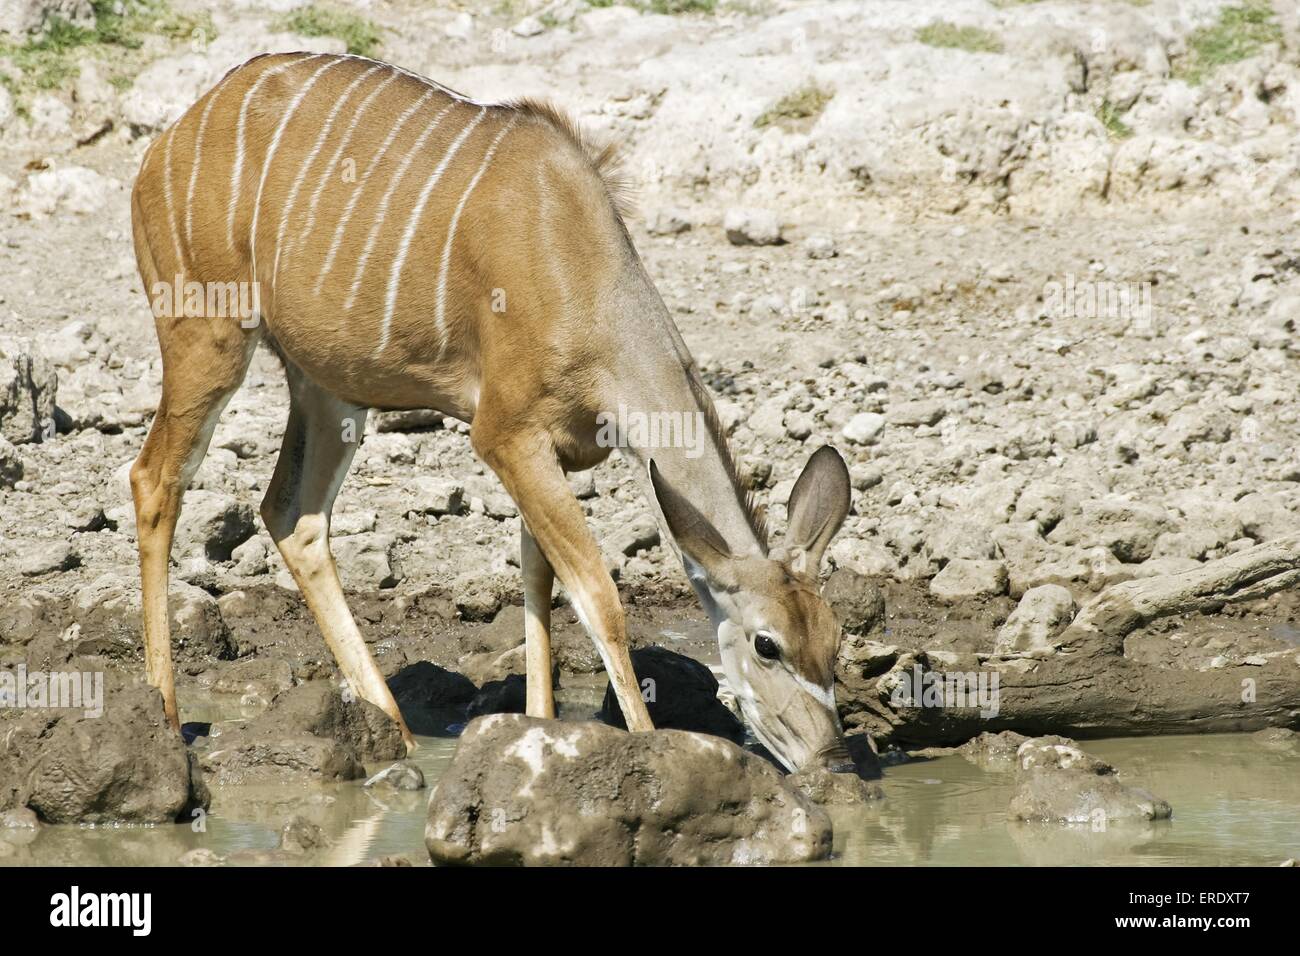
x=125, y=765
x=311, y=732
x=963, y=579
x=213, y=524
x=856, y=600
x=11, y=464
x=864, y=428
x=64, y=190
x=27, y=391
x=526, y=791
x=680, y=693
x=1059, y=783
x=1127, y=529
x=106, y=615
x=1042, y=614
x=753, y=227
x=367, y=562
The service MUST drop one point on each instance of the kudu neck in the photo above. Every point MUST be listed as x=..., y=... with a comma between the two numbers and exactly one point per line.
x=668, y=416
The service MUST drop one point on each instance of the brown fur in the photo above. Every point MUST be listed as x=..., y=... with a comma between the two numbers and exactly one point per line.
x=606, y=159
x=242, y=189
x=474, y=260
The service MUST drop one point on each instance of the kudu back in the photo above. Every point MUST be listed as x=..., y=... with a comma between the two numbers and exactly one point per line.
x=406, y=247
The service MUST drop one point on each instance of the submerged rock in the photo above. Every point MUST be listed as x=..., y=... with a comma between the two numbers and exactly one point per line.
x=834, y=789
x=126, y=765
x=402, y=775
x=680, y=693
x=1279, y=739
x=994, y=752
x=1059, y=783
x=299, y=835
x=521, y=790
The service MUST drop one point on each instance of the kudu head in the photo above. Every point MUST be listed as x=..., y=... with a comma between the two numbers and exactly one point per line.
x=777, y=635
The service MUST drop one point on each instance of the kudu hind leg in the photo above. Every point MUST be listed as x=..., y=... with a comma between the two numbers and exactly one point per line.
x=319, y=441
x=539, y=579
x=531, y=473
x=197, y=383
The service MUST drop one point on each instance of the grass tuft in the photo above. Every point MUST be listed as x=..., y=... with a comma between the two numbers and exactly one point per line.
x=1109, y=116
x=1240, y=32
x=947, y=35
x=803, y=103
x=49, y=61
x=666, y=7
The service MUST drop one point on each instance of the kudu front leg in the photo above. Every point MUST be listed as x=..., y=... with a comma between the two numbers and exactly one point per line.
x=531, y=473
x=539, y=579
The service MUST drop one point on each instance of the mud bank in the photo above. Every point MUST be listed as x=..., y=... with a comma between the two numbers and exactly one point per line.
x=1235, y=669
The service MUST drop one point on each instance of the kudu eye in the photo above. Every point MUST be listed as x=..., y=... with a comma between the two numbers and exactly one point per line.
x=766, y=647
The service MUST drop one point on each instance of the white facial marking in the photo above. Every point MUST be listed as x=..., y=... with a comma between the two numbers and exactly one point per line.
x=824, y=695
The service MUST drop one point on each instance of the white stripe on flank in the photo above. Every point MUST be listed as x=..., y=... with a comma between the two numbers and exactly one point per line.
x=198, y=156
x=167, y=198
x=395, y=273
x=440, y=312
x=361, y=185
x=237, y=171
x=382, y=212
x=270, y=155
x=302, y=171
x=338, y=154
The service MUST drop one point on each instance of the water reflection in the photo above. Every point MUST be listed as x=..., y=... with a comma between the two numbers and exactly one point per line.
x=1235, y=802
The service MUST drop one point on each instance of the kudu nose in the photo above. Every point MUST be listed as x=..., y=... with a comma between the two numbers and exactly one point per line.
x=836, y=758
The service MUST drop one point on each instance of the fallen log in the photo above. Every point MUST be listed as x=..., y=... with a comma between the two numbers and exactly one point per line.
x=1087, y=687
x=1123, y=608
x=1101, y=695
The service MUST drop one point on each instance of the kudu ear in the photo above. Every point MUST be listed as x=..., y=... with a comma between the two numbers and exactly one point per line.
x=697, y=538
x=818, y=506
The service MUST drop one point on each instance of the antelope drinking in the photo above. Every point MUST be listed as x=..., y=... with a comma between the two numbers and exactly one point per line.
x=407, y=247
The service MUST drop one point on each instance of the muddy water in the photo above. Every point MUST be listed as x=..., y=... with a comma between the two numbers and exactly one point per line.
x=1234, y=803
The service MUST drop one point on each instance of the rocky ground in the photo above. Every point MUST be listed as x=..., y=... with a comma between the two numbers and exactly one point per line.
x=1031, y=267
